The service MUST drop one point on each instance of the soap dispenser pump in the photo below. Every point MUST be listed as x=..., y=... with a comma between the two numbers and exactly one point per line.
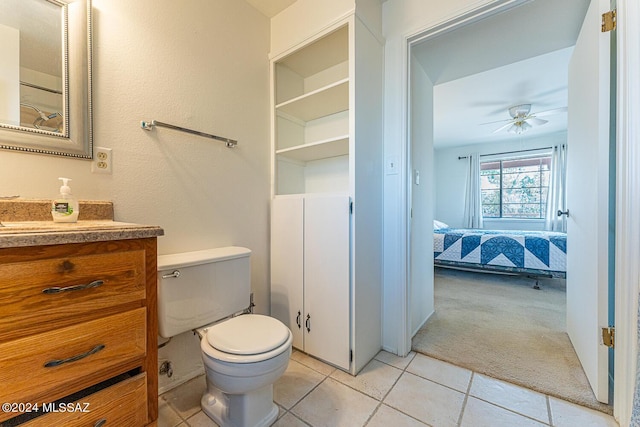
x=65, y=208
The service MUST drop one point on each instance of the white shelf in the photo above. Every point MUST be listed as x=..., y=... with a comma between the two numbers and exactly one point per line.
x=322, y=102
x=333, y=147
x=324, y=53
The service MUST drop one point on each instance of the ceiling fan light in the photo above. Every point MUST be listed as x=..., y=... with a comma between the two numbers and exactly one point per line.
x=525, y=126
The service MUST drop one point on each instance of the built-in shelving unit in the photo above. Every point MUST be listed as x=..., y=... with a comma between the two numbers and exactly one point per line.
x=311, y=88
x=326, y=212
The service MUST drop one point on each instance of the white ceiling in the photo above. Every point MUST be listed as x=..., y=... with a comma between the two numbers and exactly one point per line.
x=516, y=57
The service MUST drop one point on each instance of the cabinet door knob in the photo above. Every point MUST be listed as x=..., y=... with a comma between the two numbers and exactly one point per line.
x=298, y=320
x=307, y=323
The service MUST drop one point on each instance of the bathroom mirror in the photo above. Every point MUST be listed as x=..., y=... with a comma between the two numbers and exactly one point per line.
x=45, y=77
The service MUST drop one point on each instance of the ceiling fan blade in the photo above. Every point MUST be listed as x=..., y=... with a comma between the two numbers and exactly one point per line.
x=550, y=112
x=501, y=128
x=536, y=121
x=497, y=121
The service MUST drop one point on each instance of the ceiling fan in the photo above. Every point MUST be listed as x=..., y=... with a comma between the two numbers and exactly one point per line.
x=522, y=119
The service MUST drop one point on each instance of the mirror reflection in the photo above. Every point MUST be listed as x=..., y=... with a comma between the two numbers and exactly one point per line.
x=45, y=76
x=32, y=64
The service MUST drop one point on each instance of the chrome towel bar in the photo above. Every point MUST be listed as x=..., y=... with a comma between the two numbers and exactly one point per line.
x=149, y=125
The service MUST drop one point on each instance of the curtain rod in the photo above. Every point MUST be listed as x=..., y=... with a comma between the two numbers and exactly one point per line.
x=508, y=152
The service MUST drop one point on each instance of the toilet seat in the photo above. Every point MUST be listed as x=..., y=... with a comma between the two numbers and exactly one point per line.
x=247, y=338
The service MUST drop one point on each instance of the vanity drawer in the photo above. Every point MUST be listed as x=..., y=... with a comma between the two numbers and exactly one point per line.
x=48, y=293
x=122, y=404
x=54, y=364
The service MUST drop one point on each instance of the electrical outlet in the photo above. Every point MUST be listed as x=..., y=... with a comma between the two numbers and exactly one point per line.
x=102, y=160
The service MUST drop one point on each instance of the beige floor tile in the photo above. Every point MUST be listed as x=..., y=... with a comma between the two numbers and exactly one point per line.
x=425, y=400
x=386, y=416
x=375, y=379
x=441, y=372
x=167, y=417
x=185, y=399
x=289, y=420
x=294, y=384
x=565, y=414
x=201, y=419
x=517, y=399
x=312, y=362
x=393, y=360
x=333, y=404
x=478, y=413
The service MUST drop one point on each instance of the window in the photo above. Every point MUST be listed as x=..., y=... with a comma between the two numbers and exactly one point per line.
x=515, y=188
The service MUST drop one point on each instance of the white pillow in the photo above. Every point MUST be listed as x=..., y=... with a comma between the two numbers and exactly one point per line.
x=439, y=224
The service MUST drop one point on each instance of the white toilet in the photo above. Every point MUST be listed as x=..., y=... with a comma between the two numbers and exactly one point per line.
x=244, y=354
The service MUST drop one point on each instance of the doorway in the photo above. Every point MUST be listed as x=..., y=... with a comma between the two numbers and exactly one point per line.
x=420, y=130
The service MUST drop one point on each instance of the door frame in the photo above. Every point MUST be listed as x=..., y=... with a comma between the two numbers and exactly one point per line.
x=627, y=276
x=627, y=232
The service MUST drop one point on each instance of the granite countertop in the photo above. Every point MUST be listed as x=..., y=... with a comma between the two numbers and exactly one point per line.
x=29, y=223
x=39, y=233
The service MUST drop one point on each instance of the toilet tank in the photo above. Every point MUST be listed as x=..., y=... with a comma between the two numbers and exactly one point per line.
x=198, y=288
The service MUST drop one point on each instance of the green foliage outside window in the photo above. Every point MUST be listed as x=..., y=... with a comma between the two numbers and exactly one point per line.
x=515, y=188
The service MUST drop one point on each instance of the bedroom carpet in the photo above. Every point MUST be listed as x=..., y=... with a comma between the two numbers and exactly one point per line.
x=501, y=327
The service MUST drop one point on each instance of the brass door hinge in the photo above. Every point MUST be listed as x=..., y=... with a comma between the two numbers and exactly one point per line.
x=609, y=21
x=608, y=336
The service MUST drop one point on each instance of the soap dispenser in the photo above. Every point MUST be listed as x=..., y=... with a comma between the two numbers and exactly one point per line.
x=65, y=208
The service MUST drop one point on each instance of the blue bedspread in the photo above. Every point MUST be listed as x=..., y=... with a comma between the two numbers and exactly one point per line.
x=533, y=252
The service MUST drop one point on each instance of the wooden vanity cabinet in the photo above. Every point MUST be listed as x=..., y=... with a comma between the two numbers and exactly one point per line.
x=80, y=320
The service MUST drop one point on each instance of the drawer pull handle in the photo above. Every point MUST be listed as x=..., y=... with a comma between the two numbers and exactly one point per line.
x=58, y=362
x=57, y=290
x=100, y=422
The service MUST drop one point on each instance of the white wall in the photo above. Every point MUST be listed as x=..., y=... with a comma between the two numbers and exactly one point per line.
x=303, y=19
x=200, y=64
x=451, y=180
x=401, y=20
x=422, y=198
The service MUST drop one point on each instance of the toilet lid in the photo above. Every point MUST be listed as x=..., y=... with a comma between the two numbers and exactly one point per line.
x=247, y=334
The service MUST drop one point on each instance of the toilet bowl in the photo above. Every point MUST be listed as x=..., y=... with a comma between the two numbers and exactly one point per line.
x=243, y=357
x=243, y=353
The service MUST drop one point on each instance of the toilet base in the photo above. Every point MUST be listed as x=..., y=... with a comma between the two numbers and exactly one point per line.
x=251, y=409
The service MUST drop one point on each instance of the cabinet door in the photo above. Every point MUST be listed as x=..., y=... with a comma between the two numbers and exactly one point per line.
x=287, y=253
x=326, y=278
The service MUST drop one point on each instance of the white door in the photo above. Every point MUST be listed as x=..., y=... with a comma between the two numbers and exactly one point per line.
x=326, y=278
x=287, y=253
x=587, y=197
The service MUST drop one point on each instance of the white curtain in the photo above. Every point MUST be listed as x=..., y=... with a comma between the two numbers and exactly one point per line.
x=473, y=198
x=557, y=195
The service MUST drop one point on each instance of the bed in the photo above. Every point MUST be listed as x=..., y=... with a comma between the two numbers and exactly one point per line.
x=531, y=253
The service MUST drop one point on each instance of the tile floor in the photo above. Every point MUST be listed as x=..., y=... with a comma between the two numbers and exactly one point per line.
x=392, y=391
